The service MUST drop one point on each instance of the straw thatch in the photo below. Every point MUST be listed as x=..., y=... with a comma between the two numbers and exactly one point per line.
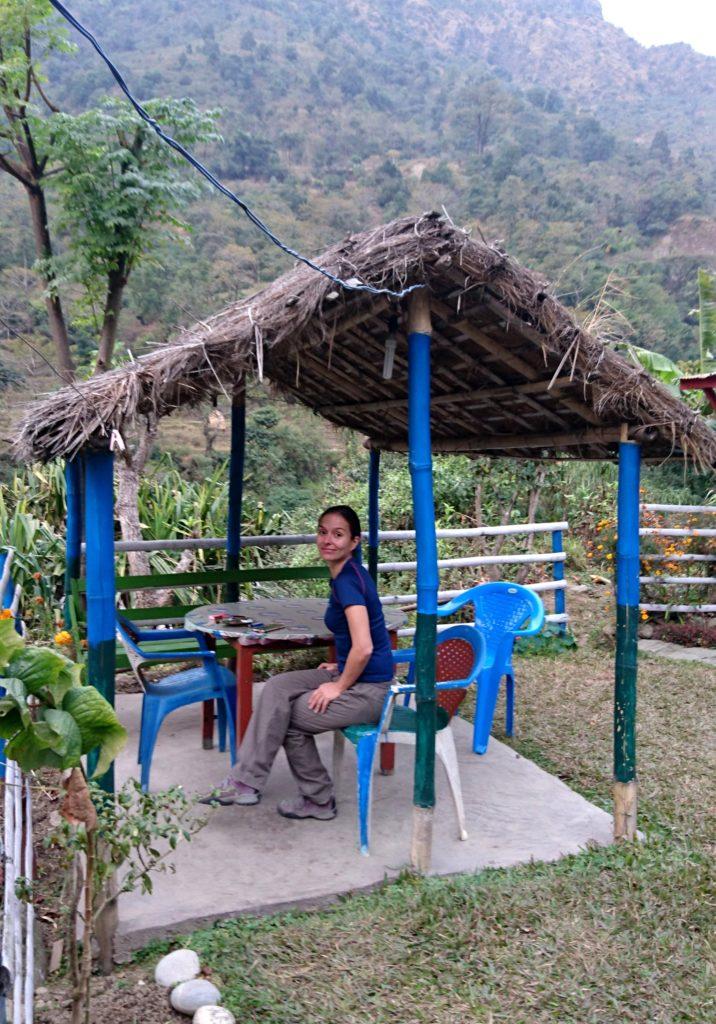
x=513, y=373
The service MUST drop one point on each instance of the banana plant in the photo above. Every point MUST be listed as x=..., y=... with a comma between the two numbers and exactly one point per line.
x=707, y=320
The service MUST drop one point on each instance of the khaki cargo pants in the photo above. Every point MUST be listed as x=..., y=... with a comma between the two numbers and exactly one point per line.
x=282, y=718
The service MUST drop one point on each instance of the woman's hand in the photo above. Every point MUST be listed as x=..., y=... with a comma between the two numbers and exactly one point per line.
x=323, y=695
x=329, y=666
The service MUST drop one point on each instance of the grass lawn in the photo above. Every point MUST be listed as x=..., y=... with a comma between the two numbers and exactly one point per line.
x=611, y=935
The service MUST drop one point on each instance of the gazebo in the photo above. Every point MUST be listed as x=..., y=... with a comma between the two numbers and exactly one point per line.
x=482, y=360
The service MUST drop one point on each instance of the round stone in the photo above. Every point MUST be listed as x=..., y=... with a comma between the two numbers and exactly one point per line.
x=181, y=965
x=189, y=996
x=213, y=1015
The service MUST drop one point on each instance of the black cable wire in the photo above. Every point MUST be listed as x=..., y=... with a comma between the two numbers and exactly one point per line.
x=256, y=220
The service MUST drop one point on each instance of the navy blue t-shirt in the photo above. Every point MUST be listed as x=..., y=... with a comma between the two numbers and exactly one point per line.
x=353, y=585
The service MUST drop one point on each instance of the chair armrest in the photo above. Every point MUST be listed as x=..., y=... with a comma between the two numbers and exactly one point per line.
x=166, y=634
x=177, y=655
x=404, y=657
x=455, y=603
x=535, y=624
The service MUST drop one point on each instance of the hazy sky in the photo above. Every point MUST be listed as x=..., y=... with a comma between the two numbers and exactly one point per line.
x=653, y=22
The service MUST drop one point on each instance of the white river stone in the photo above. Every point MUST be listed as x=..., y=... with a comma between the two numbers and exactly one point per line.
x=181, y=965
x=191, y=995
x=213, y=1015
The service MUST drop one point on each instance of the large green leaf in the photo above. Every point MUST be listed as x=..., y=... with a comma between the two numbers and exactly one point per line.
x=660, y=367
x=98, y=724
x=68, y=746
x=45, y=672
x=10, y=641
x=14, y=712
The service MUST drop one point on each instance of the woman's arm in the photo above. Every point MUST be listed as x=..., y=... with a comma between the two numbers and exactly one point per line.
x=358, y=658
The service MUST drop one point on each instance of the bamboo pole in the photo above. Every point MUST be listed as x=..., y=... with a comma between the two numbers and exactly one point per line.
x=625, y=667
x=421, y=474
x=73, y=536
x=373, y=512
x=236, y=486
x=497, y=442
x=99, y=519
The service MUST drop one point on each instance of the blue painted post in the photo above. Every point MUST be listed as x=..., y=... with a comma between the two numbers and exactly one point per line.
x=625, y=668
x=99, y=560
x=73, y=536
x=373, y=512
x=421, y=475
x=236, y=487
x=560, y=604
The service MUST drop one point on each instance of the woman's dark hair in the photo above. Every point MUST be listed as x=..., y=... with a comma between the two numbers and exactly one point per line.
x=345, y=512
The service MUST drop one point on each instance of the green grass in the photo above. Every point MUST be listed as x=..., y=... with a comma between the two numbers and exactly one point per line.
x=610, y=935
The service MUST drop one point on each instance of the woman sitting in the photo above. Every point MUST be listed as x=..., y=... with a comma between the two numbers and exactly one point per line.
x=295, y=706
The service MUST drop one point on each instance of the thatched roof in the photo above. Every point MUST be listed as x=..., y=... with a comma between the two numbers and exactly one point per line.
x=512, y=371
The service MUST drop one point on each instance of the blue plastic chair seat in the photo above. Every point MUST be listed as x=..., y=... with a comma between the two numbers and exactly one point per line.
x=188, y=680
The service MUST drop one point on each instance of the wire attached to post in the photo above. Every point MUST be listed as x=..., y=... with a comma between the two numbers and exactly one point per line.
x=254, y=218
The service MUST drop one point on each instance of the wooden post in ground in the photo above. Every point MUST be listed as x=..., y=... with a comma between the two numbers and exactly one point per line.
x=625, y=672
x=421, y=475
x=99, y=556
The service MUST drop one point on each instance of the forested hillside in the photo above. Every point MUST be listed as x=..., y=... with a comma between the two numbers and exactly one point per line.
x=590, y=157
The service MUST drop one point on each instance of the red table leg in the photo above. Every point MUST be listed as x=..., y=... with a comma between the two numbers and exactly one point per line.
x=244, y=686
x=387, y=750
x=207, y=724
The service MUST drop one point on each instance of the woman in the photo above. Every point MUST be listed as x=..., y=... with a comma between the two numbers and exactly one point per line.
x=295, y=706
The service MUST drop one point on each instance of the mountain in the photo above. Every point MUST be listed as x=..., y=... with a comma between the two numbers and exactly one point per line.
x=538, y=123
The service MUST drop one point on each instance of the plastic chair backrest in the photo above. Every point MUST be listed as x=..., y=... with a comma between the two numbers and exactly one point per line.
x=128, y=639
x=503, y=608
x=454, y=660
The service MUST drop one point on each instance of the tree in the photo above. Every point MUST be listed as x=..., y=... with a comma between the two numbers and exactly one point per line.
x=118, y=191
x=26, y=31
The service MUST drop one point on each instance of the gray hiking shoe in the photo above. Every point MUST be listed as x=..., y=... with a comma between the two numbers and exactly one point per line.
x=302, y=807
x=231, y=791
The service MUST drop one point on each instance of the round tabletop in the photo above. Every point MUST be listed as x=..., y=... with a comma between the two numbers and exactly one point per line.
x=273, y=620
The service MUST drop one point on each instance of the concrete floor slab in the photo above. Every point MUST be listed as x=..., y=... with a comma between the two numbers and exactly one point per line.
x=250, y=860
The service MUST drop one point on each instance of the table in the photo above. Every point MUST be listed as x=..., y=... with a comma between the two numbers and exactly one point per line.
x=301, y=625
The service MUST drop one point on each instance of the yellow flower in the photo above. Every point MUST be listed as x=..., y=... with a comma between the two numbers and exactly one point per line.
x=610, y=556
x=645, y=616
x=63, y=638
x=5, y=614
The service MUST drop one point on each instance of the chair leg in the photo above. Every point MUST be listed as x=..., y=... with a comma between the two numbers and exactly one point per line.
x=509, y=703
x=141, y=730
x=487, y=687
x=445, y=749
x=154, y=714
x=366, y=757
x=339, y=748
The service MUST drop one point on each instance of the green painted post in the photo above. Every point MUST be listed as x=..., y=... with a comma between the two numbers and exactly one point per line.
x=625, y=667
x=99, y=557
x=421, y=474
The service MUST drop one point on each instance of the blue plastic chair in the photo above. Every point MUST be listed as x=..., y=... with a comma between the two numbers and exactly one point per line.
x=207, y=681
x=460, y=648
x=503, y=611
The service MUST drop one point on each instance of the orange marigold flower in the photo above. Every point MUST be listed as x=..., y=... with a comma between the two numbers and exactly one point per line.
x=645, y=616
x=610, y=556
x=6, y=614
x=37, y=575
x=39, y=600
x=63, y=638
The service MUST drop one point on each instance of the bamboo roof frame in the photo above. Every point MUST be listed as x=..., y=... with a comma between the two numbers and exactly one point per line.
x=513, y=372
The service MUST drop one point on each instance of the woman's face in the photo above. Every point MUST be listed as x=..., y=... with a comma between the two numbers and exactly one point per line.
x=334, y=540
